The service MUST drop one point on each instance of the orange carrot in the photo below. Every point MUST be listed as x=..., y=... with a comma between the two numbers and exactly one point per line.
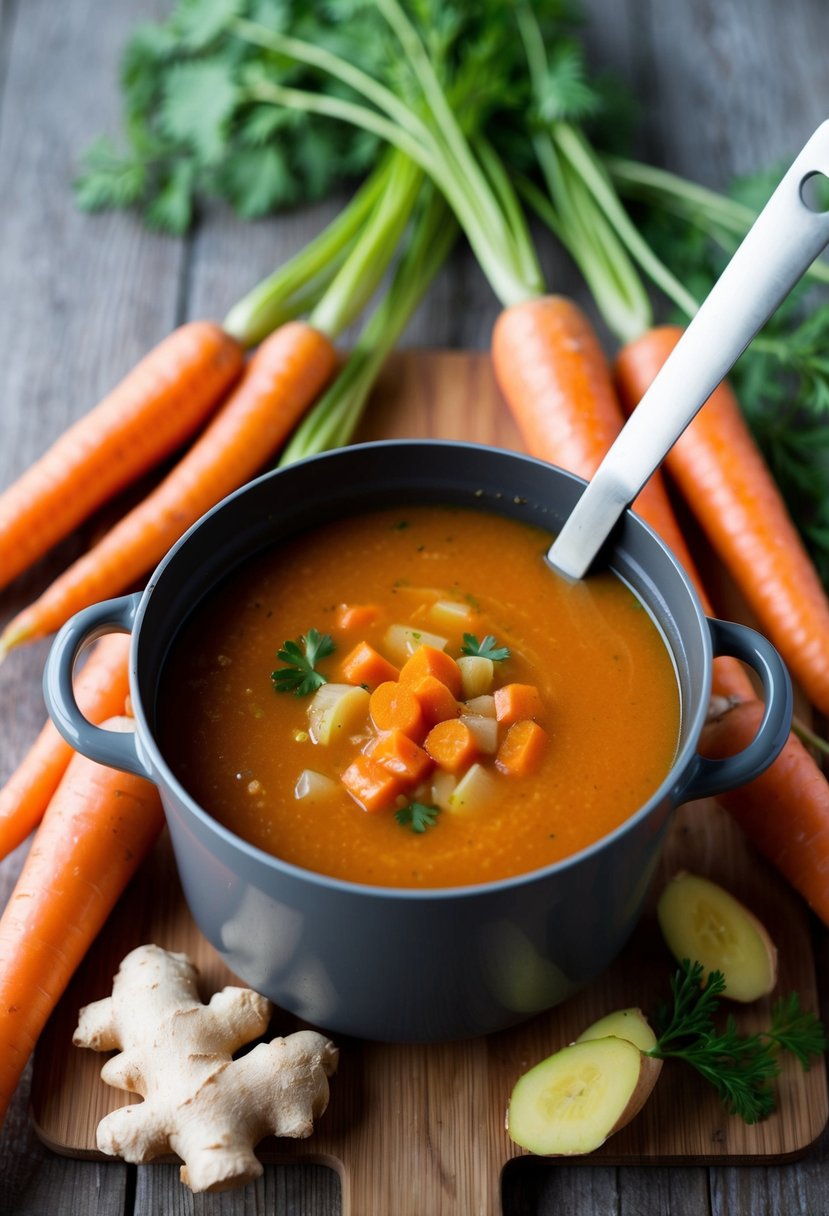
x=101, y=690
x=400, y=755
x=281, y=380
x=365, y=665
x=429, y=661
x=153, y=410
x=435, y=699
x=727, y=485
x=784, y=811
x=356, y=616
x=522, y=748
x=555, y=378
x=516, y=701
x=371, y=785
x=451, y=745
x=393, y=706
x=97, y=828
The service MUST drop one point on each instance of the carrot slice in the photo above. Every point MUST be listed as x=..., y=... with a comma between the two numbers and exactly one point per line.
x=393, y=706
x=522, y=748
x=435, y=699
x=356, y=616
x=401, y=756
x=428, y=661
x=451, y=745
x=371, y=785
x=365, y=665
x=516, y=701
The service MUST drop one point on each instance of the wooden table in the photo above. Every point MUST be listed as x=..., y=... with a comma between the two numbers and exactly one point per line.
x=724, y=88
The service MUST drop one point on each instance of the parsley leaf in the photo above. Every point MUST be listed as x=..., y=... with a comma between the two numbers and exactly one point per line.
x=299, y=675
x=741, y=1067
x=417, y=816
x=487, y=648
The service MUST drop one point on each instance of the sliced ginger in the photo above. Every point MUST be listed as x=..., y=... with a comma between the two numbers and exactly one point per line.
x=177, y=1053
x=630, y=1024
x=702, y=922
x=574, y=1100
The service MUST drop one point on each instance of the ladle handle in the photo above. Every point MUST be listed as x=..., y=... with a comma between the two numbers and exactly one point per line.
x=780, y=246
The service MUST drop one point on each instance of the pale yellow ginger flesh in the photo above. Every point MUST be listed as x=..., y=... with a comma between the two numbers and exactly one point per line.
x=704, y=923
x=176, y=1052
x=571, y=1102
x=630, y=1024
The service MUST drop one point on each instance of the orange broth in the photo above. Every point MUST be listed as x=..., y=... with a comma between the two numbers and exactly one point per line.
x=606, y=683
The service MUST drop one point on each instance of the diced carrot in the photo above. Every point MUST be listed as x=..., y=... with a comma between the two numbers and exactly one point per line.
x=365, y=665
x=356, y=616
x=436, y=700
x=522, y=748
x=451, y=745
x=371, y=785
x=427, y=661
x=400, y=755
x=514, y=702
x=393, y=706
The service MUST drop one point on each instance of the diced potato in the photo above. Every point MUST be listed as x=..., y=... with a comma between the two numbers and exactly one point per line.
x=474, y=790
x=484, y=731
x=337, y=709
x=485, y=705
x=476, y=676
x=452, y=615
x=314, y=785
x=443, y=786
x=401, y=641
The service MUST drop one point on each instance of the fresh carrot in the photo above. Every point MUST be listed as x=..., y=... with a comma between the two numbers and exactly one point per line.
x=452, y=745
x=356, y=616
x=153, y=410
x=393, y=706
x=522, y=748
x=371, y=785
x=513, y=702
x=435, y=700
x=429, y=661
x=400, y=755
x=281, y=380
x=101, y=690
x=365, y=665
x=727, y=485
x=99, y=825
x=784, y=811
x=554, y=376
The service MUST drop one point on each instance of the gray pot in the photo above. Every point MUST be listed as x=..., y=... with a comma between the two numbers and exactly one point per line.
x=411, y=965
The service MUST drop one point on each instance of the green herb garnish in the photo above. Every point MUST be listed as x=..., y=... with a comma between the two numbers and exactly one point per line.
x=741, y=1067
x=299, y=675
x=417, y=816
x=487, y=648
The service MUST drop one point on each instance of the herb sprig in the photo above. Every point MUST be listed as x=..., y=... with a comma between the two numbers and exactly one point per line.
x=741, y=1067
x=487, y=648
x=417, y=816
x=299, y=675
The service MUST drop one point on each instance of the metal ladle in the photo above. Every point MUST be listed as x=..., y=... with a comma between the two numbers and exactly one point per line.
x=784, y=240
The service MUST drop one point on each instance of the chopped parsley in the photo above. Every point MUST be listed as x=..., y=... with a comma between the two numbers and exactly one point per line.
x=417, y=816
x=299, y=675
x=487, y=648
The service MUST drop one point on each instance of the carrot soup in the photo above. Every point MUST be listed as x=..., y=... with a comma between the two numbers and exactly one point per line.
x=412, y=698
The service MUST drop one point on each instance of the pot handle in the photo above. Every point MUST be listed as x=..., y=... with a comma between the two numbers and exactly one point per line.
x=114, y=749
x=710, y=777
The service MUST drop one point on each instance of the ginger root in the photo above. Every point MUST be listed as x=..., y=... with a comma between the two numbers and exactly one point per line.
x=177, y=1053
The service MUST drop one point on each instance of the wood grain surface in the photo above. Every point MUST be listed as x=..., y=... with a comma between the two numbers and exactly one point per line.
x=720, y=88
x=415, y=1129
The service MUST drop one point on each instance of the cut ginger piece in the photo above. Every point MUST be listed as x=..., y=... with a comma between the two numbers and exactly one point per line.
x=177, y=1053
x=516, y=701
x=570, y=1103
x=365, y=665
x=702, y=922
x=371, y=785
x=630, y=1024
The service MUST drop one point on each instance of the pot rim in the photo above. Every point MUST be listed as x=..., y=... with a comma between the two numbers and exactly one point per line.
x=208, y=824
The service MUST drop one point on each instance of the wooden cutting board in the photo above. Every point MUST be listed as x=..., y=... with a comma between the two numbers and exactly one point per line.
x=414, y=1129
